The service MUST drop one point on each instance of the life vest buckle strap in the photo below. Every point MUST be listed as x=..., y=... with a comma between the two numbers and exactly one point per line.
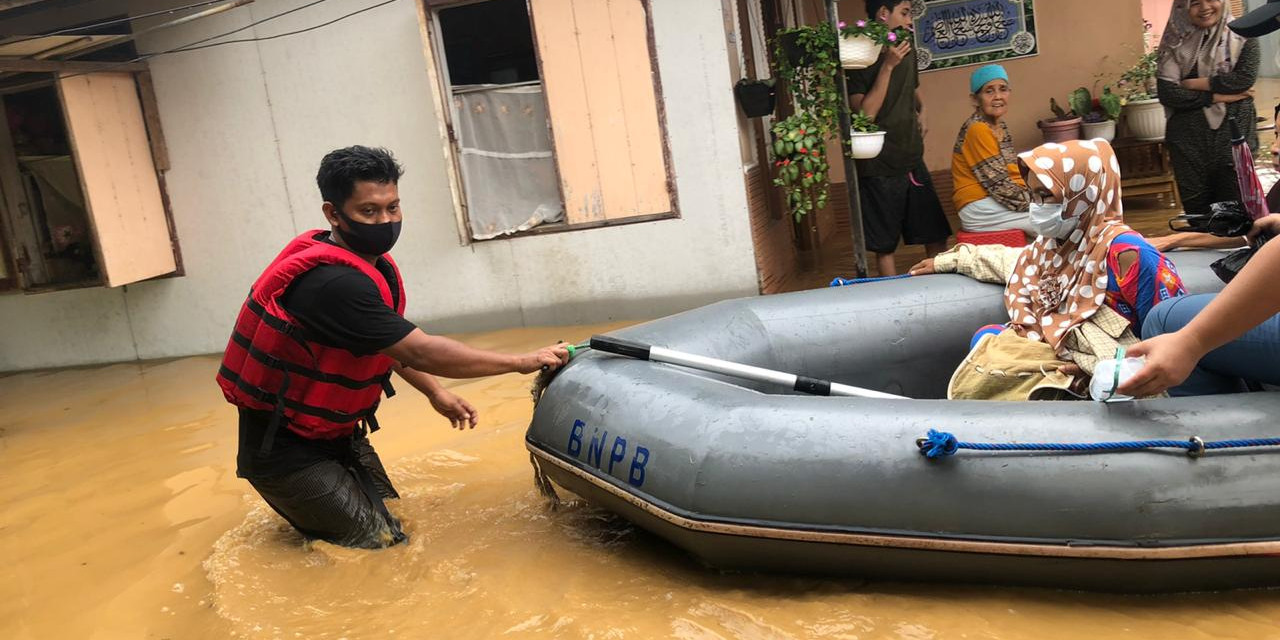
x=269, y=438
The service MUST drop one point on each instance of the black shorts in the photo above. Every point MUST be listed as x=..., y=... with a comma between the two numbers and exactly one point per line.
x=338, y=500
x=893, y=209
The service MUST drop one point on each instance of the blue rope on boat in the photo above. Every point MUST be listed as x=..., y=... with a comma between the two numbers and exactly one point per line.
x=939, y=444
x=844, y=282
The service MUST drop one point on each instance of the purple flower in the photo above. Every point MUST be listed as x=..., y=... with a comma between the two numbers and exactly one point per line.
x=893, y=37
x=841, y=24
x=861, y=23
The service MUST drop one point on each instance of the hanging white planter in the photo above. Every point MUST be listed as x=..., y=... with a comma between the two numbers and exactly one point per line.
x=858, y=52
x=865, y=146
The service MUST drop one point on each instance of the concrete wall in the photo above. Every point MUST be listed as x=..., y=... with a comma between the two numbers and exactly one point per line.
x=247, y=124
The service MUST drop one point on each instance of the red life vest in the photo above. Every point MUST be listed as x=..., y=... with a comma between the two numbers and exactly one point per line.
x=271, y=365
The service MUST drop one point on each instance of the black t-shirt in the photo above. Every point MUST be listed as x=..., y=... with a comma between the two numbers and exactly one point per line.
x=903, y=144
x=337, y=306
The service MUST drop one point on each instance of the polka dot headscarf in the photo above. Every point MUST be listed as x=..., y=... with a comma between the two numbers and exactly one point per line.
x=1059, y=284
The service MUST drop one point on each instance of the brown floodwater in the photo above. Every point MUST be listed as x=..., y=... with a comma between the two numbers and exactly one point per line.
x=123, y=518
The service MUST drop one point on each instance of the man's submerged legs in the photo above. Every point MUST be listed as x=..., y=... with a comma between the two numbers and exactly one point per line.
x=337, y=501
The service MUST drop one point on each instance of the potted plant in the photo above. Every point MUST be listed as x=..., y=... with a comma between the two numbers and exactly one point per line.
x=756, y=97
x=1101, y=120
x=865, y=137
x=812, y=84
x=860, y=44
x=805, y=45
x=1143, y=114
x=800, y=164
x=799, y=147
x=1065, y=125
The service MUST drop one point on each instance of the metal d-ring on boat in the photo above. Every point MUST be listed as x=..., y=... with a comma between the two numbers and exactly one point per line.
x=745, y=474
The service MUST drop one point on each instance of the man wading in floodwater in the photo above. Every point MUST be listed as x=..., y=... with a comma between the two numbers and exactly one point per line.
x=313, y=350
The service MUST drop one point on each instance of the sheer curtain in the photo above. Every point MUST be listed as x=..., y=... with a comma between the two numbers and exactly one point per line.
x=508, y=169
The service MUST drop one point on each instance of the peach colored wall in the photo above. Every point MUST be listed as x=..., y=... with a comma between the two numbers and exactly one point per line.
x=1157, y=13
x=1078, y=40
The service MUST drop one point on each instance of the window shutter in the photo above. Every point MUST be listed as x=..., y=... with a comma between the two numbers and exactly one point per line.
x=598, y=73
x=118, y=175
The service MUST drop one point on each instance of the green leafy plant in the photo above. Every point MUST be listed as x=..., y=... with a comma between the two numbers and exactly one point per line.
x=1105, y=107
x=1080, y=101
x=877, y=31
x=799, y=148
x=800, y=163
x=1110, y=104
x=812, y=83
x=860, y=122
x=1136, y=83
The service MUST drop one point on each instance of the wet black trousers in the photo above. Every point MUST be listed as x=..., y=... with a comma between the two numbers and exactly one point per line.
x=339, y=500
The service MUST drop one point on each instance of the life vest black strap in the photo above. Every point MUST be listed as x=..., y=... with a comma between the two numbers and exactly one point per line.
x=387, y=389
x=269, y=438
x=272, y=362
x=267, y=397
x=365, y=480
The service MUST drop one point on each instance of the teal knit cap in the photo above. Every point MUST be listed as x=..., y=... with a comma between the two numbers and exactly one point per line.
x=986, y=74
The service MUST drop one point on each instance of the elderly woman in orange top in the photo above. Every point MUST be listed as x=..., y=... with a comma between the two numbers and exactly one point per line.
x=989, y=192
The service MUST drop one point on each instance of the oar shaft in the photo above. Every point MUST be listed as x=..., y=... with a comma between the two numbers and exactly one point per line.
x=803, y=384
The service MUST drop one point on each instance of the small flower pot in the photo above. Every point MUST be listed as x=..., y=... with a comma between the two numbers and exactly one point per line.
x=858, y=52
x=1105, y=130
x=1057, y=130
x=1145, y=119
x=757, y=98
x=865, y=146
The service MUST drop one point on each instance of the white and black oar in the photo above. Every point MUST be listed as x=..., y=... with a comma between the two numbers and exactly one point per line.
x=803, y=384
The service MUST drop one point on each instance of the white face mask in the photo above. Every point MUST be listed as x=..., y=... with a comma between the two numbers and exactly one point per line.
x=1047, y=220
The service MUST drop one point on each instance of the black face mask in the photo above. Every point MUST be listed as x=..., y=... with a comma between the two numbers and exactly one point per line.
x=369, y=239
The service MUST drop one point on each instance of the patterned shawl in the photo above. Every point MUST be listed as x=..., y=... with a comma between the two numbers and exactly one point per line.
x=1057, y=285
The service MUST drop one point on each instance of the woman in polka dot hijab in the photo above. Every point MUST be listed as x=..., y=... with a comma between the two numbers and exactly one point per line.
x=1075, y=295
x=1060, y=282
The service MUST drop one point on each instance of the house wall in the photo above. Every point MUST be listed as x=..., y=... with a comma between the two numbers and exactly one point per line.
x=1081, y=41
x=246, y=126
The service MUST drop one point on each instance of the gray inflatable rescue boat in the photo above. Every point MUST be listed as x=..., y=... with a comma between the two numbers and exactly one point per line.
x=751, y=476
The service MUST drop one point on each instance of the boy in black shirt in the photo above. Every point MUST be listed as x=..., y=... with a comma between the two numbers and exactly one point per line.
x=898, y=200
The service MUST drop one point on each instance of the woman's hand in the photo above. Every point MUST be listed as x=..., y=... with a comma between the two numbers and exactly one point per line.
x=922, y=268
x=1164, y=244
x=1171, y=357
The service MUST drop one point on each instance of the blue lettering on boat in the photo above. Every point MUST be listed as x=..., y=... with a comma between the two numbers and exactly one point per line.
x=596, y=449
x=575, y=438
x=617, y=452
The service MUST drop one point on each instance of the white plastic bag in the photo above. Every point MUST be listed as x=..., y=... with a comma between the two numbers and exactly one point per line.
x=1105, y=381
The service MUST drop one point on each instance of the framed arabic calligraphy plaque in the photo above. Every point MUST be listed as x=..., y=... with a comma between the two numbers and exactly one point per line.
x=956, y=33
